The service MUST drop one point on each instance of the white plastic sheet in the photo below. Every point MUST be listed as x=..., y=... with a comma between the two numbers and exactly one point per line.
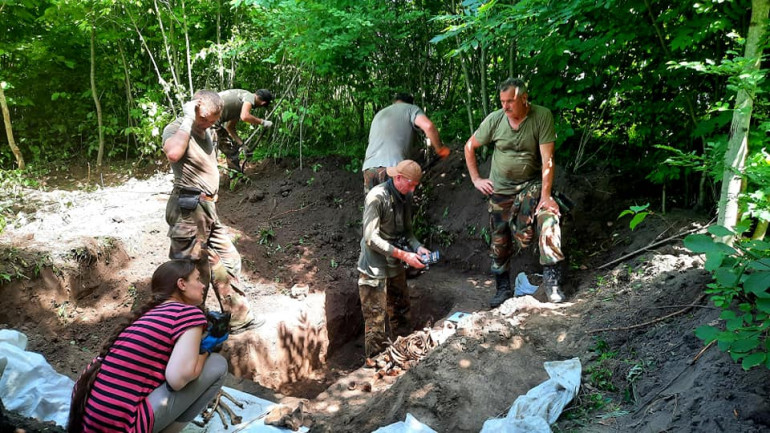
x=409, y=425
x=542, y=405
x=28, y=384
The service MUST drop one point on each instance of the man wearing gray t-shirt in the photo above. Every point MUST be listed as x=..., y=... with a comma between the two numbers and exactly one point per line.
x=393, y=133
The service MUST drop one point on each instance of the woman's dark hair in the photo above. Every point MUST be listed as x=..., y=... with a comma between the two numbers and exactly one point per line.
x=163, y=285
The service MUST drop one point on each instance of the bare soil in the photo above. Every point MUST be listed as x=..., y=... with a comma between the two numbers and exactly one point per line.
x=80, y=258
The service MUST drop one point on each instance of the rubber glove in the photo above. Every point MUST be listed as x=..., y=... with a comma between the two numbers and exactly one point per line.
x=443, y=152
x=189, y=110
x=410, y=259
x=209, y=343
x=266, y=123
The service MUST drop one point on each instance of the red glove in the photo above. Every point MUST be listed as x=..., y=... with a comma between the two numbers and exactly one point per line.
x=443, y=152
x=410, y=259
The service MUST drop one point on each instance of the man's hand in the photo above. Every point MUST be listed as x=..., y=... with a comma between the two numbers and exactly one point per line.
x=410, y=259
x=266, y=123
x=484, y=185
x=189, y=109
x=548, y=204
x=209, y=343
x=443, y=152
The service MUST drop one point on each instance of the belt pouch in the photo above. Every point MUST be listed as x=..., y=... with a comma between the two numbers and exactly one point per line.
x=189, y=198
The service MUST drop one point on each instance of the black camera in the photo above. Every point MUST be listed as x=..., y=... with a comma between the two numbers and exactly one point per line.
x=430, y=259
x=219, y=323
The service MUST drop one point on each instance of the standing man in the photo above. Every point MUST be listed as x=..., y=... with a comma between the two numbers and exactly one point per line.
x=392, y=135
x=194, y=227
x=382, y=279
x=519, y=186
x=238, y=105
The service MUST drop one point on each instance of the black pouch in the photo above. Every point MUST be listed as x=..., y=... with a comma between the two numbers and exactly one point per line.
x=189, y=198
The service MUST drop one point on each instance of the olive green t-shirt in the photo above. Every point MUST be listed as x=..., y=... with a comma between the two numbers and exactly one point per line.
x=234, y=99
x=516, y=157
x=392, y=135
x=198, y=167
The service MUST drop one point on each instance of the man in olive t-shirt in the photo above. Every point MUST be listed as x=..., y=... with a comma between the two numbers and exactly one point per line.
x=194, y=226
x=519, y=186
x=392, y=135
x=237, y=106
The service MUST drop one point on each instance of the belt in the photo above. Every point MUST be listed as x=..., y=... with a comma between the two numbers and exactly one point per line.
x=203, y=196
x=212, y=199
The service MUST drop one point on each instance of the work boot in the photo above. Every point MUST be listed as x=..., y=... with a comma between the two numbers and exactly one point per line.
x=504, y=291
x=551, y=283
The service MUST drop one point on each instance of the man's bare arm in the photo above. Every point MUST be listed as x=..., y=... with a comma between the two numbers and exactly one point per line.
x=484, y=185
x=430, y=130
x=546, y=200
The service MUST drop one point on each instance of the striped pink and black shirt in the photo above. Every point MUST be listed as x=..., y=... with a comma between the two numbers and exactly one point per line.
x=134, y=367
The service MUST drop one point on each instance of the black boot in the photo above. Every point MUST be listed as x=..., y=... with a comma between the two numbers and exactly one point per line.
x=504, y=291
x=552, y=283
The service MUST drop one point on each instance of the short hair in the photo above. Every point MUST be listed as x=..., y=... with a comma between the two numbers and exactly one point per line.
x=211, y=102
x=264, y=96
x=514, y=82
x=404, y=97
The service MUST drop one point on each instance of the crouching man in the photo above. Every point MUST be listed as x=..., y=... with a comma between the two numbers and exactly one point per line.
x=382, y=281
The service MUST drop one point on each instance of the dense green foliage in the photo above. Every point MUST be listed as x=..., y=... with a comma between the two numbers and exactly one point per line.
x=741, y=279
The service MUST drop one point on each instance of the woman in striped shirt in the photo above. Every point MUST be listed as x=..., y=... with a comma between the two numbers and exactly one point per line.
x=157, y=371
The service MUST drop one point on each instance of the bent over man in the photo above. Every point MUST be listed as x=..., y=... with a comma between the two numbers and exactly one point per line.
x=382, y=279
x=191, y=213
x=519, y=186
x=237, y=106
x=391, y=136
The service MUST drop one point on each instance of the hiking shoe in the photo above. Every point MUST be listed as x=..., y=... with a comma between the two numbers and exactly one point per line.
x=555, y=294
x=504, y=292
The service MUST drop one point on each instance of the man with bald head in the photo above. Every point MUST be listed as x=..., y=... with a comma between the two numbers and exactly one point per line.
x=194, y=227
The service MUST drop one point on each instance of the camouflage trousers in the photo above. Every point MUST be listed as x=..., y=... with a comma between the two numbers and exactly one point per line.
x=512, y=218
x=386, y=308
x=373, y=177
x=229, y=147
x=192, y=232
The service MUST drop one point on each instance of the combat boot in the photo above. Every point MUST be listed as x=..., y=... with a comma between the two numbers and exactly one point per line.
x=552, y=283
x=504, y=291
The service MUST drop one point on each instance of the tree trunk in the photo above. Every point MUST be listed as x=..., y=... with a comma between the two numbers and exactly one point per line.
x=187, y=50
x=162, y=81
x=129, y=98
x=483, y=79
x=171, y=66
x=100, y=156
x=737, y=145
x=9, y=131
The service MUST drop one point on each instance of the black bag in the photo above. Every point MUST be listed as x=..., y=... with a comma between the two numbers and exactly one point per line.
x=189, y=198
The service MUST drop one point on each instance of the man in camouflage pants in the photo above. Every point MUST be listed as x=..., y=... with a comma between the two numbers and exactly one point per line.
x=519, y=187
x=194, y=227
x=382, y=275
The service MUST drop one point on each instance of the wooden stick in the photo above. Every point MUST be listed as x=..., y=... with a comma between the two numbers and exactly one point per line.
x=654, y=244
x=702, y=351
x=283, y=214
x=651, y=322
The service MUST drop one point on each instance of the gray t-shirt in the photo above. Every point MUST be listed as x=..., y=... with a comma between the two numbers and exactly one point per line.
x=234, y=99
x=198, y=167
x=392, y=135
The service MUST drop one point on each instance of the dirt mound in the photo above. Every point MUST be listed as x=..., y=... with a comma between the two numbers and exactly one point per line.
x=94, y=253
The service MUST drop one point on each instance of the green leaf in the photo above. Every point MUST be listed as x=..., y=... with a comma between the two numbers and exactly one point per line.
x=624, y=213
x=714, y=261
x=763, y=305
x=699, y=243
x=706, y=333
x=637, y=209
x=720, y=231
x=726, y=277
x=758, y=283
x=762, y=264
x=745, y=345
x=638, y=218
x=753, y=360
